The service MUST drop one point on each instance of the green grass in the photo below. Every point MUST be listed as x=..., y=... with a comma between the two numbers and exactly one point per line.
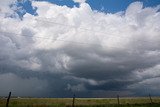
x=80, y=102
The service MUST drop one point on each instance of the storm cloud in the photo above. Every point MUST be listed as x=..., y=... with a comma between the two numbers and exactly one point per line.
x=63, y=50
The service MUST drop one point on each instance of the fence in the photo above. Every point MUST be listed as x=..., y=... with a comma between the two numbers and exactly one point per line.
x=88, y=102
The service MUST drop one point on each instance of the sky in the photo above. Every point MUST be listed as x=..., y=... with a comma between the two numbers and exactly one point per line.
x=91, y=48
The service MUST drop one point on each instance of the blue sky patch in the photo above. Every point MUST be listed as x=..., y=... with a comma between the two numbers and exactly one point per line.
x=108, y=6
x=113, y=6
x=26, y=7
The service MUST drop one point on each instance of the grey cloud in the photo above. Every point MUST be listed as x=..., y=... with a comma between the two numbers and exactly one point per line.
x=20, y=86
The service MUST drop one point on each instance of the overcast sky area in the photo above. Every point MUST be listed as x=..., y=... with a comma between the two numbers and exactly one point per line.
x=93, y=48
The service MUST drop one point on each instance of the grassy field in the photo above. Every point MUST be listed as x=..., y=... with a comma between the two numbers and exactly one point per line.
x=80, y=102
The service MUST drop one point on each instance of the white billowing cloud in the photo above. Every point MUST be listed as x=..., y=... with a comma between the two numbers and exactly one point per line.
x=79, y=1
x=4, y=5
x=92, y=47
x=5, y=9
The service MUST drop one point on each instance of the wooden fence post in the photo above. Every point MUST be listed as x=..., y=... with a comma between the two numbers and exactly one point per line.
x=73, y=101
x=118, y=99
x=150, y=98
x=8, y=99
